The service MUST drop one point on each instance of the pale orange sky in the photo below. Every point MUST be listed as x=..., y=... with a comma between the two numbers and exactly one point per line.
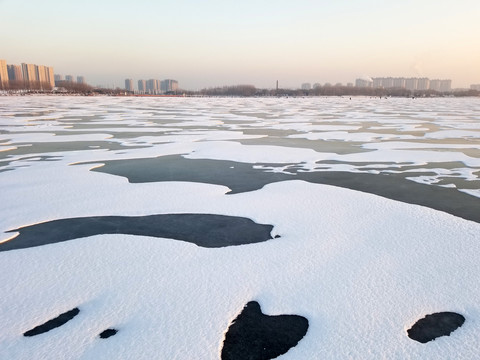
x=209, y=43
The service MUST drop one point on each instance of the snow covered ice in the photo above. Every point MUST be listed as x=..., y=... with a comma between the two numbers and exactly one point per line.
x=361, y=268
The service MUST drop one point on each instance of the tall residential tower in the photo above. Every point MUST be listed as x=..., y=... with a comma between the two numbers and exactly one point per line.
x=15, y=73
x=3, y=74
x=129, y=84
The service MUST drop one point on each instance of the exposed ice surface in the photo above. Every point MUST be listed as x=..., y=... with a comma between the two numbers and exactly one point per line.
x=361, y=268
x=346, y=133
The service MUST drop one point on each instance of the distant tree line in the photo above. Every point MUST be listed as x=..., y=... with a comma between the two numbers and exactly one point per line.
x=67, y=87
x=235, y=90
x=73, y=87
x=26, y=85
x=327, y=90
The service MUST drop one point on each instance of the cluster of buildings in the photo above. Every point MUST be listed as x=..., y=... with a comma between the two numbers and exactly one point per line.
x=405, y=83
x=26, y=76
x=308, y=86
x=60, y=80
x=152, y=86
x=33, y=77
x=393, y=82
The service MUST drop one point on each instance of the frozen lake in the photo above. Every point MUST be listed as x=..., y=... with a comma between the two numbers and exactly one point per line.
x=373, y=209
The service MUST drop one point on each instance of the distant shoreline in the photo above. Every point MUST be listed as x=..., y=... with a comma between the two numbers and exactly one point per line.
x=462, y=95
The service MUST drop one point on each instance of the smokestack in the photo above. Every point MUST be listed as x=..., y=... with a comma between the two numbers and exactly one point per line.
x=277, y=85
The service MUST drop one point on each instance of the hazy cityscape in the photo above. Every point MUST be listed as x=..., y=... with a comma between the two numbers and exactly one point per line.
x=152, y=86
x=42, y=78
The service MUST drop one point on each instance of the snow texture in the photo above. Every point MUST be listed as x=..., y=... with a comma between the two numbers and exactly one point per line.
x=361, y=268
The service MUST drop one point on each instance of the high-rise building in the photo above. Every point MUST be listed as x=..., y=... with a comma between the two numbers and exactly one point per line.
x=80, y=79
x=149, y=86
x=142, y=86
x=169, y=85
x=364, y=83
x=58, y=79
x=41, y=74
x=69, y=78
x=152, y=87
x=173, y=85
x=445, y=85
x=45, y=76
x=28, y=76
x=3, y=74
x=441, y=85
x=50, y=76
x=388, y=82
x=399, y=82
x=129, y=84
x=15, y=73
x=378, y=83
x=29, y=73
x=475, y=87
x=423, y=84
x=411, y=83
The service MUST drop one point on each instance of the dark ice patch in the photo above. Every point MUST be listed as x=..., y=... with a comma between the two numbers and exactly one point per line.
x=206, y=230
x=54, y=323
x=253, y=335
x=239, y=177
x=105, y=334
x=242, y=177
x=435, y=325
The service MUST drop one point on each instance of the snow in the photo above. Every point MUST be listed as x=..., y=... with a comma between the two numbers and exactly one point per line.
x=346, y=136
x=48, y=137
x=362, y=269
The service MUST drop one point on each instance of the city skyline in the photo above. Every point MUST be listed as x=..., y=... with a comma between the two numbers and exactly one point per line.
x=32, y=76
x=151, y=86
x=216, y=43
x=422, y=84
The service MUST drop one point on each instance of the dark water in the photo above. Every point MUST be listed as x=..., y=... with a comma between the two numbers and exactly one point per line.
x=206, y=230
x=242, y=177
x=60, y=320
x=435, y=325
x=254, y=335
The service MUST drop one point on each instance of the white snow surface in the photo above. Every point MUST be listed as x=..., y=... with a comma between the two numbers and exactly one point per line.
x=361, y=268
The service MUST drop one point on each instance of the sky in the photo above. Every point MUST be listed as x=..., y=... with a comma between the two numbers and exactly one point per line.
x=225, y=42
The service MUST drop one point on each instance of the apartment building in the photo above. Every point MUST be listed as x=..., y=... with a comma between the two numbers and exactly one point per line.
x=3, y=74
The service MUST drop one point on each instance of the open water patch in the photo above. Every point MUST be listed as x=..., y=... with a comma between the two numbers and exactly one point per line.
x=60, y=320
x=205, y=230
x=435, y=325
x=239, y=177
x=105, y=334
x=244, y=177
x=254, y=335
